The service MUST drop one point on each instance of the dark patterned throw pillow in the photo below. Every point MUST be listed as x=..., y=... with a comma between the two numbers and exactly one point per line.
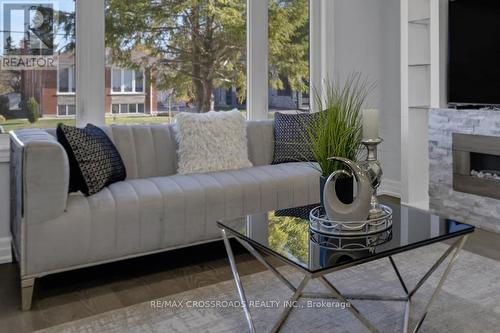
x=93, y=159
x=291, y=137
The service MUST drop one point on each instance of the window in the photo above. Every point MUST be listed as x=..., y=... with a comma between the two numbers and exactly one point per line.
x=127, y=108
x=140, y=108
x=63, y=80
x=139, y=81
x=71, y=110
x=288, y=55
x=123, y=108
x=66, y=110
x=170, y=41
x=61, y=110
x=127, y=81
x=52, y=42
x=117, y=80
x=153, y=55
x=66, y=80
x=128, y=78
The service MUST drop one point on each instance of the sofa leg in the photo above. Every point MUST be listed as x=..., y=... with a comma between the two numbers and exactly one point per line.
x=27, y=286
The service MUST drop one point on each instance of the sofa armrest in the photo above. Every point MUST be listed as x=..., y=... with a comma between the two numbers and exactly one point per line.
x=40, y=167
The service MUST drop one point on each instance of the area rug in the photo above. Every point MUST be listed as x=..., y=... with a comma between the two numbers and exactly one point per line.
x=468, y=302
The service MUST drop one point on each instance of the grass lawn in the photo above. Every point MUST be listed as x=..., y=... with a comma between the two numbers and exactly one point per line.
x=13, y=124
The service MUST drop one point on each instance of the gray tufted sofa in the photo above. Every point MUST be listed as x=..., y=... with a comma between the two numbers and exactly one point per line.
x=153, y=210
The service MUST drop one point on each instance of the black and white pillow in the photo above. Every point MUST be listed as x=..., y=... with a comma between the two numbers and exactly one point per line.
x=291, y=136
x=94, y=160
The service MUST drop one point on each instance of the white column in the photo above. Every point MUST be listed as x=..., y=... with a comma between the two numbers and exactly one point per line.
x=405, y=196
x=90, y=62
x=404, y=225
x=435, y=84
x=316, y=53
x=257, y=59
x=322, y=45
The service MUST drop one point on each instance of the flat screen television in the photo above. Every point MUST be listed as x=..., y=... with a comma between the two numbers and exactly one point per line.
x=474, y=52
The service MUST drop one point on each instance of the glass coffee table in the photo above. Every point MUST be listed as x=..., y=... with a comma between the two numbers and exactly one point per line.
x=316, y=255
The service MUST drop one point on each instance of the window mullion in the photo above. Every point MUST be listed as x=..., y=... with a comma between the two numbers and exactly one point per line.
x=257, y=66
x=70, y=80
x=90, y=62
x=133, y=81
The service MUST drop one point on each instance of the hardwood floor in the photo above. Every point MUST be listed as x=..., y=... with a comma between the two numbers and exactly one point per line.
x=78, y=294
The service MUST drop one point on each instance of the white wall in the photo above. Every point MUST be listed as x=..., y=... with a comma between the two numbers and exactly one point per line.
x=366, y=38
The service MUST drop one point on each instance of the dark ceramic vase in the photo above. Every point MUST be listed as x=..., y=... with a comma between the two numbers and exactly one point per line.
x=344, y=186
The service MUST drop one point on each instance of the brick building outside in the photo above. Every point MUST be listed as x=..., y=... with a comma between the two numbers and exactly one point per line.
x=126, y=91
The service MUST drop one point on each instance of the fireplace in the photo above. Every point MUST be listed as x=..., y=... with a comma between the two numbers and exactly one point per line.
x=461, y=144
x=476, y=164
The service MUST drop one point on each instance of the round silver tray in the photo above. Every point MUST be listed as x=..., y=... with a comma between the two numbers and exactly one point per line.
x=319, y=222
x=353, y=243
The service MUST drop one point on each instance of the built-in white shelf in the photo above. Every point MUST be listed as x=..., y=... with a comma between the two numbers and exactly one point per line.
x=418, y=44
x=418, y=71
x=420, y=107
x=418, y=85
x=420, y=21
x=419, y=9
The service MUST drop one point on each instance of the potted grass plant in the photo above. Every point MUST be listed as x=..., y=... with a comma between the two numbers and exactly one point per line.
x=337, y=128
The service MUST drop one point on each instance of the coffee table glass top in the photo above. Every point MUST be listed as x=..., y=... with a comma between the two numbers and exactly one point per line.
x=285, y=233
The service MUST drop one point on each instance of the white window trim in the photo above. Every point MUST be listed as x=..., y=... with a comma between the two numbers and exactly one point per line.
x=122, y=83
x=322, y=46
x=258, y=53
x=257, y=62
x=120, y=108
x=71, y=81
x=66, y=111
x=90, y=62
x=91, y=57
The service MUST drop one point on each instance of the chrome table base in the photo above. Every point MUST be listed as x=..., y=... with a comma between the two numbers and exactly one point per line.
x=335, y=293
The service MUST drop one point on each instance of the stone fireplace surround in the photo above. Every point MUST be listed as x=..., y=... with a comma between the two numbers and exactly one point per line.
x=482, y=211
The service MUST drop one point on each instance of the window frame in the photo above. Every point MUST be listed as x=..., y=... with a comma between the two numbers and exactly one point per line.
x=71, y=80
x=90, y=66
x=122, y=82
x=128, y=108
x=66, y=111
x=91, y=35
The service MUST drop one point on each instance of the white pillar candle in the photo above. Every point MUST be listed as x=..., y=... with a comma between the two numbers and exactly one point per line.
x=370, y=124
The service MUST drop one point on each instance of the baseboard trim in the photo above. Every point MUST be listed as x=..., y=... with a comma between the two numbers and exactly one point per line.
x=5, y=250
x=390, y=187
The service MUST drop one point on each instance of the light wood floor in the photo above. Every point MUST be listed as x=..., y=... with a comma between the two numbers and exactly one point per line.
x=73, y=295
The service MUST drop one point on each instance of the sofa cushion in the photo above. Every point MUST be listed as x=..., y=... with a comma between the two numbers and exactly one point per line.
x=141, y=215
x=260, y=135
x=291, y=137
x=93, y=159
x=151, y=150
x=212, y=141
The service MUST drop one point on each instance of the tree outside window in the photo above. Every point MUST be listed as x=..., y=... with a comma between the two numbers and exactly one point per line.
x=196, y=50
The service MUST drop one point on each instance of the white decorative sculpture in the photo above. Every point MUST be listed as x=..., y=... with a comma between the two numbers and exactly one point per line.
x=359, y=209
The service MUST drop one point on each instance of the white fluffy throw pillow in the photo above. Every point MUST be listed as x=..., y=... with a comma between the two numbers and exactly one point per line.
x=212, y=141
